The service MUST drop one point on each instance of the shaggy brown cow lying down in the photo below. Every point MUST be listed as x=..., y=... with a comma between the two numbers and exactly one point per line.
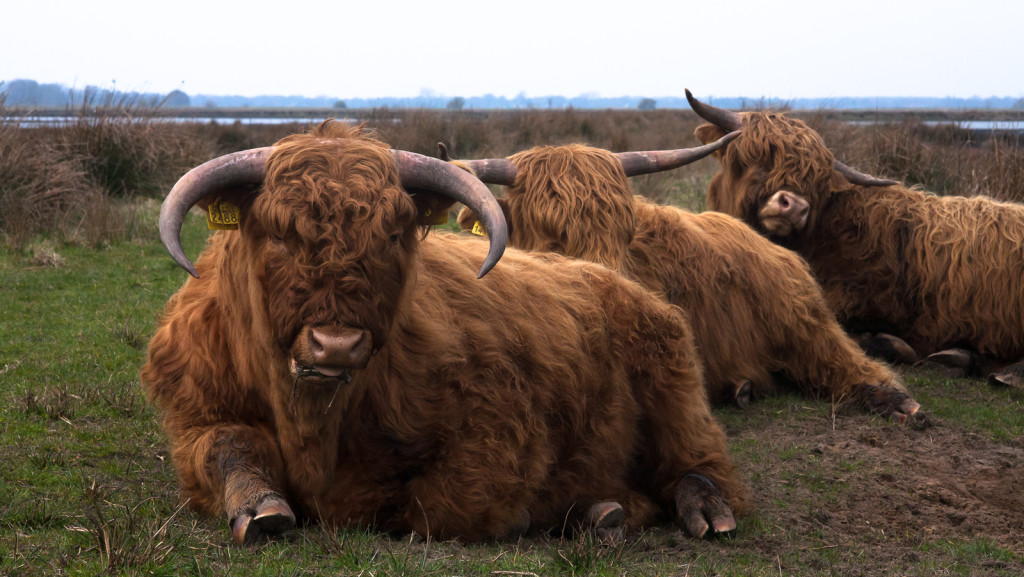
x=331, y=363
x=756, y=311
x=938, y=272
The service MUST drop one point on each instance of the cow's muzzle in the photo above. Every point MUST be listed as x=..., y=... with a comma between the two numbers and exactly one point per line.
x=330, y=353
x=784, y=213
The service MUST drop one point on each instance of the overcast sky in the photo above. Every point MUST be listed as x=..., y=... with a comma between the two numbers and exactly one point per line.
x=379, y=48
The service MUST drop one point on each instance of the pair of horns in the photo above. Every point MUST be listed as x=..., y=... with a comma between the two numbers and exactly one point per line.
x=248, y=168
x=730, y=121
x=503, y=171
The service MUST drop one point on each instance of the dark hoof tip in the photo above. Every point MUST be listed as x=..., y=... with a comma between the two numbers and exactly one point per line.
x=272, y=518
x=957, y=362
x=605, y=521
x=743, y=394
x=888, y=348
x=1006, y=380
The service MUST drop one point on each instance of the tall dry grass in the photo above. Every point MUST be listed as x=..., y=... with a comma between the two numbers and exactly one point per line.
x=88, y=179
x=947, y=159
x=82, y=180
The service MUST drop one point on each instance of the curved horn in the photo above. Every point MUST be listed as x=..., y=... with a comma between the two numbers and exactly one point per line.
x=494, y=171
x=725, y=119
x=247, y=167
x=860, y=178
x=490, y=170
x=637, y=163
x=419, y=171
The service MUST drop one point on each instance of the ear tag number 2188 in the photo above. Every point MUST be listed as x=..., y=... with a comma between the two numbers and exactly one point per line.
x=222, y=215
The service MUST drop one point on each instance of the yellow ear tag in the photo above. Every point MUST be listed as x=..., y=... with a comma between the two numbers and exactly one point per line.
x=438, y=218
x=222, y=215
x=478, y=229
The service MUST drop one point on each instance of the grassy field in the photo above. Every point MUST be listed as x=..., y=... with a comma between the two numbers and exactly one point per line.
x=86, y=487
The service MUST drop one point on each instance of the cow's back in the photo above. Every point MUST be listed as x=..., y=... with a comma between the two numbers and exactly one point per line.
x=940, y=271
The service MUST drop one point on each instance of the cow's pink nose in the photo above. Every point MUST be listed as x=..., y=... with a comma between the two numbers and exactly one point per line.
x=339, y=347
x=789, y=206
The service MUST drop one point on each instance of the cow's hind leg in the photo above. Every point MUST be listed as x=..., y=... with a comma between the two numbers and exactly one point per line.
x=699, y=502
x=826, y=363
x=743, y=393
x=888, y=348
x=605, y=521
x=957, y=362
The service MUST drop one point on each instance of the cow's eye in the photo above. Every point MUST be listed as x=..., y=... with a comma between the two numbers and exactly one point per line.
x=395, y=237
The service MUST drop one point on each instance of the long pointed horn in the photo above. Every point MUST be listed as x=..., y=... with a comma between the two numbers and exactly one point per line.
x=860, y=178
x=502, y=171
x=637, y=163
x=424, y=172
x=725, y=119
x=489, y=170
x=247, y=167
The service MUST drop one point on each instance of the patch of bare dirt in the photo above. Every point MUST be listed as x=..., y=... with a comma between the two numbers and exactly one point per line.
x=856, y=495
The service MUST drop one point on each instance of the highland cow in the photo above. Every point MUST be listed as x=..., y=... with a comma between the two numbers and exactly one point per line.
x=942, y=273
x=757, y=314
x=335, y=362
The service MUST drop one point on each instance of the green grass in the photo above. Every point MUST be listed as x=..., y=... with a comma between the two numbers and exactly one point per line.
x=86, y=487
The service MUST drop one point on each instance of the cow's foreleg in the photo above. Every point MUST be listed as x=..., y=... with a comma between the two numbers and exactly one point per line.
x=888, y=348
x=685, y=454
x=242, y=464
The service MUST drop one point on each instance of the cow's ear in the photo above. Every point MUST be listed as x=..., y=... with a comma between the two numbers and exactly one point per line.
x=708, y=133
x=226, y=209
x=468, y=220
x=431, y=208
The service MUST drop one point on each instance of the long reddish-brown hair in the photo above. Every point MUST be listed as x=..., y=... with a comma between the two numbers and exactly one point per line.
x=335, y=231
x=573, y=200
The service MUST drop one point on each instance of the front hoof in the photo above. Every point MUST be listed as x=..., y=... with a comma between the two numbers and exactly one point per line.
x=700, y=506
x=890, y=402
x=605, y=521
x=270, y=517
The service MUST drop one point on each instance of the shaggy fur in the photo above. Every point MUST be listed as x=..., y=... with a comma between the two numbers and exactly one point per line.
x=935, y=271
x=754, y=307
x=547, y=386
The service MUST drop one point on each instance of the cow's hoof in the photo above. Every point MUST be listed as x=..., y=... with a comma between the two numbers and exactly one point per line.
x=700, y=507
x=890, y=402
x=272, y=516
x=605, y=521
x=743, y=393
x=887, y=347
x=1011, y=376
x=957, y=362
x=520, y=527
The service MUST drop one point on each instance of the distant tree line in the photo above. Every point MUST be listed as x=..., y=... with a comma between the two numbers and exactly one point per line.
x=29, y=93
